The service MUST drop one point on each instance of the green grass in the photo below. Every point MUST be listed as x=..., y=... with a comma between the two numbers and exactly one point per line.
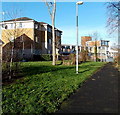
x=44, y=87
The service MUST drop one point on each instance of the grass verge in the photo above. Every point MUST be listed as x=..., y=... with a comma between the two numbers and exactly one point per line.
x=44, y=87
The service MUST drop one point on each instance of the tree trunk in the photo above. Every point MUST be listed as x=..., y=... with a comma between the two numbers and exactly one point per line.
x=53, y=33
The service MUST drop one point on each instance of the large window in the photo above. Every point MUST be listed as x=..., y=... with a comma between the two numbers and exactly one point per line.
x=104, y=42
x=49, y=29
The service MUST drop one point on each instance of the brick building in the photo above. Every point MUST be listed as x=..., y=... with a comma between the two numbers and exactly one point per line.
x=101, y=48
x=84, y=39
x=28, y=37
x=69, y=48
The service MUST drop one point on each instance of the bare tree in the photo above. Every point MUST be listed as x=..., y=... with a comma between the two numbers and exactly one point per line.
x=113, y=20
x=52, y=11
x=10, y=54
x=116, y=47
x=95, y=36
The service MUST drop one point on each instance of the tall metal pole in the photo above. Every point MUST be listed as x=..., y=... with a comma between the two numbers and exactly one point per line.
x=76, y=38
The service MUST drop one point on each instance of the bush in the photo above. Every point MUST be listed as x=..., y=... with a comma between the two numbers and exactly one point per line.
x=98, y=59
x=46, y=57
x=68, y=59
x=10, y=70
x=43, y=57
x=117, y=60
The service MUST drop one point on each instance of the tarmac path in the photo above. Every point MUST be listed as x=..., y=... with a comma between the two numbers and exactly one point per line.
x=99, y=94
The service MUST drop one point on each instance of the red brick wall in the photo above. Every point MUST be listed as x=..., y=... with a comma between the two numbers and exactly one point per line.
x=84, y=39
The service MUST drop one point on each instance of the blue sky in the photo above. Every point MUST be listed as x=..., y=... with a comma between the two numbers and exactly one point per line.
x=92, y=18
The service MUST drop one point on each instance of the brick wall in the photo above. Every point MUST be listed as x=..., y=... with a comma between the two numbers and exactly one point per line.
x=93, y=43
x=8, y=33
x=84, y=39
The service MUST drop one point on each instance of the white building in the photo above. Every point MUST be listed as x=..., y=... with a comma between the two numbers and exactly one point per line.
x=101, y=48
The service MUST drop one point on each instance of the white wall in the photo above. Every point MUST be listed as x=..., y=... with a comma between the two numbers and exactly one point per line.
x=11, y=25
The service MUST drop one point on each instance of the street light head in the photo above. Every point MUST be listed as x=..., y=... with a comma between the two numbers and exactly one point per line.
x=79, y=3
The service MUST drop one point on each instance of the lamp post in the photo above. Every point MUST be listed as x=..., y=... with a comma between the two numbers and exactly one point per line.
x=78, y=3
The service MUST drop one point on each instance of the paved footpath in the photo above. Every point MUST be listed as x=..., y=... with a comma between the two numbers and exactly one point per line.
x=99, y=94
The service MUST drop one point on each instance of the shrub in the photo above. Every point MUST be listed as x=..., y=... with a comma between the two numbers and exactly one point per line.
x=98, y=59
x=46, y=57
x=10, y=70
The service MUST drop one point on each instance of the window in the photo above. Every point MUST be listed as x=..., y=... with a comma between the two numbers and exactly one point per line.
x=20, y=24
x=36, y=26
x=11, y=39
x=36, y=39
x=67, y=47
x=106, y=43
x=6, y=27
x=49, y=29
x=59, y=34
x=50, y=41
x=103, y=48
x=102, y=42
x=11, y=25
x=90, y=48
x=58, y=41
x=3, y=25
x=86, y=44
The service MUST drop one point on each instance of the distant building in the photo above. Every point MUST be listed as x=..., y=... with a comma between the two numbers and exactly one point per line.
x=29, y=37
x=102, y=49
x=67, y=49
x=84, y=39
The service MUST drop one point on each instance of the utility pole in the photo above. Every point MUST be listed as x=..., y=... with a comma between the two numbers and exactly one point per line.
x=78, y=3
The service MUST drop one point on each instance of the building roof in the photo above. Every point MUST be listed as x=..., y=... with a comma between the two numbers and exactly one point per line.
x=43, y=23
x=19, y=19
x=26, y=18
x=49, y=25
